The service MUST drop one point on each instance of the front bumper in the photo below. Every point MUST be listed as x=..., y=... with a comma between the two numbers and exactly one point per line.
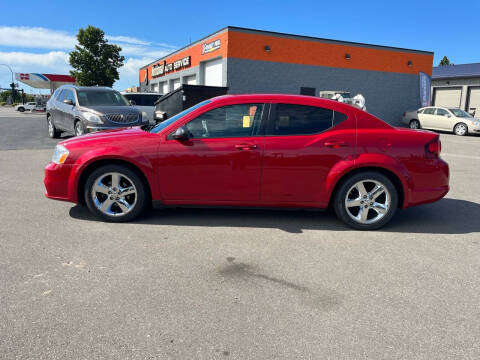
x=59, y=182
x=474, y=129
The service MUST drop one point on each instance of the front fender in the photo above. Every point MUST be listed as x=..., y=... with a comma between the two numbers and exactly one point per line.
x=381, y=161
x=114, y=153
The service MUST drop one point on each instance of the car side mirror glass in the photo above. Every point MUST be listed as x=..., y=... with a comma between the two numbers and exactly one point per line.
x=132, y=102
x=68, y=102
x=180, y=134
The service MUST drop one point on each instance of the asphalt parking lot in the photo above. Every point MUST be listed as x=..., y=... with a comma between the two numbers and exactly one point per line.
x=233, y=284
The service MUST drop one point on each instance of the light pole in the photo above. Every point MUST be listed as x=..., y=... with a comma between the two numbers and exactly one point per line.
x=12, y=85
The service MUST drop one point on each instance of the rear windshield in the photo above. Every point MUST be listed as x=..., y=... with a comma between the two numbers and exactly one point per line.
x=101, y=98
x=143, y=100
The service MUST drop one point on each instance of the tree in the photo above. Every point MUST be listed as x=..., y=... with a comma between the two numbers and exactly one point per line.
x=445, y=62
x=95, y=61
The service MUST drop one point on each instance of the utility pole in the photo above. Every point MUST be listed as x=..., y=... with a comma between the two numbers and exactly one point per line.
x=12, y=85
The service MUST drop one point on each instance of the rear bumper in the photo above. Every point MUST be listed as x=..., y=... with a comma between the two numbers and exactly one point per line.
x=437, y=187
x=59, y=182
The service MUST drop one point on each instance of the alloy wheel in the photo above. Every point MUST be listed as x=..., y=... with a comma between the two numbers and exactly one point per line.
x=414, y=124
x=367, y=201
x=51, y=130
x=114, y=194
x=461, y=129
x=78, y=128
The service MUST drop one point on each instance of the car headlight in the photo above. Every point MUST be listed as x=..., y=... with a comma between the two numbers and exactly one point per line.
x=91, y=117
x=60, y=154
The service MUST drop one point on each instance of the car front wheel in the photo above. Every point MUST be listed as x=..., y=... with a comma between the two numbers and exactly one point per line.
x=460, y=129
x=21, y=109
x=366, y=201
x=115, y=193
x=79, y=128
x=52, y=130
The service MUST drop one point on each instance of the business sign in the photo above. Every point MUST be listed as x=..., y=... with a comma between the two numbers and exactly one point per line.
x=164, y=68
x=424, y=89
x=210, y=47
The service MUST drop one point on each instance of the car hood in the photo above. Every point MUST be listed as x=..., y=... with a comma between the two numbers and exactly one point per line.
x=106, y=136
x=104, y=109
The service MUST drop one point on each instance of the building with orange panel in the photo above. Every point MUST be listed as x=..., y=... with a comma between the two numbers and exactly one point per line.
x=255, y=61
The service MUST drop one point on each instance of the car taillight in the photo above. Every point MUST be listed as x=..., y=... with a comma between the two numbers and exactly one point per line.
x=434, y=148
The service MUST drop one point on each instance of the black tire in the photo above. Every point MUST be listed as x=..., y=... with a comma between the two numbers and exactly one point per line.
x=346, y=186
x=139, y=204
x=414, y=124
x=79, y=128
x=21, y=109
x=460, y=129
x=53, y=131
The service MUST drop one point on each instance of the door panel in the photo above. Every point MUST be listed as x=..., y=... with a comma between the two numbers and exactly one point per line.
x=427, y=118
x=220, y=160
x=211, y=169
x=295, y=167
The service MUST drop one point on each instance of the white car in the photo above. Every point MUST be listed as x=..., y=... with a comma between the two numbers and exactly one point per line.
x=145, y=102
x=442, y=118
x=28, y=106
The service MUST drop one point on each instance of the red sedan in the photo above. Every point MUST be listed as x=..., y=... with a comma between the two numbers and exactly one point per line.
x=282, y=151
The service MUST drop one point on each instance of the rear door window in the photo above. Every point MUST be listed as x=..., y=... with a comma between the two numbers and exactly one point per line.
x=442, y=112
x=429, y=111
x=293, y=119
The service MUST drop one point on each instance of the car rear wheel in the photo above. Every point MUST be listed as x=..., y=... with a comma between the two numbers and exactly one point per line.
x=79, y=128
x=21, y=109
x=460, y=129
x=414, y=124
x=115, y=193
x=52, y=130
x=366, y=201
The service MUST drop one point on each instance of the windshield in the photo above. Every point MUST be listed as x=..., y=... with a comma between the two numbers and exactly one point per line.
x=167, y=122
x=460, y=113
x=101, y=98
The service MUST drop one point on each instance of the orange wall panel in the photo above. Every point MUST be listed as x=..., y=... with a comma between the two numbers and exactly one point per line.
x=195, y=52
x=309, y=52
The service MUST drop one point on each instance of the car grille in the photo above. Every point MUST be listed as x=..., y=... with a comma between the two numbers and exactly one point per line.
x=122, y=118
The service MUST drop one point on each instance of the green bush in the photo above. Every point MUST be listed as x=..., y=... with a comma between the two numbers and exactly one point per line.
x=3, y=103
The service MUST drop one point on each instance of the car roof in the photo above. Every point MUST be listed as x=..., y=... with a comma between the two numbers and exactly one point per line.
x=86, y=88
x=314, y=100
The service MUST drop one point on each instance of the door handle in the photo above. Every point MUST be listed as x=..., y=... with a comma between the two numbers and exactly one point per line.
x=336, y=144
x=245, y=146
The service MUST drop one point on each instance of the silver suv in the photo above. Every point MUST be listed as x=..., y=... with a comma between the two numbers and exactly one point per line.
x=82, y=109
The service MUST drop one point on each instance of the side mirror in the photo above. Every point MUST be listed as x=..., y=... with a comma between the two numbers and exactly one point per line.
x=180, y=134
x=68, y=102
x=448, y=115
x=132, y=102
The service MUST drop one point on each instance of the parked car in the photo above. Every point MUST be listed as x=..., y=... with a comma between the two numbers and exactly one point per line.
x=282, y=151
x=28, y=106
x=82, y=109
x=442, y=118
x=145, y=102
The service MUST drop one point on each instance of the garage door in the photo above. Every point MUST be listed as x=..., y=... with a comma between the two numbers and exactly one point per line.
x=213, y=73
x=474, y=101
x=164, y=87
x=190, y=80
x=449, y=97
x=175, y=84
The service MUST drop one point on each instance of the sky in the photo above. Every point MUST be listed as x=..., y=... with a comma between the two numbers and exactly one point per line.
x=37, y=36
